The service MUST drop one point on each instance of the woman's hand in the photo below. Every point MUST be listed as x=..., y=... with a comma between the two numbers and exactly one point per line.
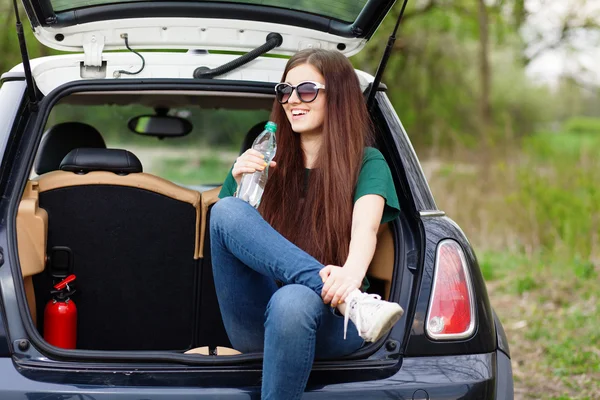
x=338, y=283
x=249, y=162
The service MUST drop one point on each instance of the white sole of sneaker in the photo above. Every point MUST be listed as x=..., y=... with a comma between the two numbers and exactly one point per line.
x=385, y=324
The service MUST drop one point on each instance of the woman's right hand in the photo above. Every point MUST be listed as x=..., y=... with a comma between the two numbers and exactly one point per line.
x=249, y=162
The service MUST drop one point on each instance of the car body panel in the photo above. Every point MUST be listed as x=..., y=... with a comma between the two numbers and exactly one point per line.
x=504, y=377
x=191, y=33
x=484, y=339
x=240, y=26
x=51, y=72
x=11, y=95
x=450, y=377
x=4, y=349
x=502, y=339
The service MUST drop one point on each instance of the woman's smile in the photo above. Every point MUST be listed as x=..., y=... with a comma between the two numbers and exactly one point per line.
x=298, y=113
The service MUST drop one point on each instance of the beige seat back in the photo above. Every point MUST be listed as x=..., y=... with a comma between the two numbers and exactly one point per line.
x=33, y=226
x=382, y=264
x=32, y=231
x=61, y=179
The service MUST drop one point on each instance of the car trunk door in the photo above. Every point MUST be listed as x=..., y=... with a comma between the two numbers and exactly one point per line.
x=78, y=25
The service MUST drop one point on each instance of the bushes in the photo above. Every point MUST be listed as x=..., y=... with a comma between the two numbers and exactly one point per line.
x=539, y=196
x=558, y=192
x=560, y=203
x=583, y=125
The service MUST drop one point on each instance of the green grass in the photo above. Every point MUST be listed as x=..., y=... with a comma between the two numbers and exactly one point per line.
x=496, y=265
x=550, y=312
x=582, y=125
x=208, y=170
x=547, y=146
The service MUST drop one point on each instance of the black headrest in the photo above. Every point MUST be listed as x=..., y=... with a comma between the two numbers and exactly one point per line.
x=251, y=135
x=60, y=139
x=85, y=160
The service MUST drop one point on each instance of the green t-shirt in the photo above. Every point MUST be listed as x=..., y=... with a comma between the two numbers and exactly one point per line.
x=375, y=177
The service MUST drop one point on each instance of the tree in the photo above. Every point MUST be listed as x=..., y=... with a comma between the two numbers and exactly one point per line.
x=567, y=28
x=485, y=73
x=9, y=43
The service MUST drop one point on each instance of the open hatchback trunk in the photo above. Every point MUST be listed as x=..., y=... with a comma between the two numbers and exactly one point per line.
x=138, y=241
x=136, y=235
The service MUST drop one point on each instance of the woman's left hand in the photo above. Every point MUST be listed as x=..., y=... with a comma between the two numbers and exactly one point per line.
x=338, y=282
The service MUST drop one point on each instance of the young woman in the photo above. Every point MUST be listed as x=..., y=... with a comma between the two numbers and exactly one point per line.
x=314, y=231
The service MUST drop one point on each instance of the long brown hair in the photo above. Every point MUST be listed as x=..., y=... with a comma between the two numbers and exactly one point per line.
x=320, y=220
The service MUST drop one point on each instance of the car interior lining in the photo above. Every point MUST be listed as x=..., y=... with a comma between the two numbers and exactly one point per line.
x=174, y=99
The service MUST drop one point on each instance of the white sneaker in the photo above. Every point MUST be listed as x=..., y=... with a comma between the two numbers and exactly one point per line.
x=372, y=316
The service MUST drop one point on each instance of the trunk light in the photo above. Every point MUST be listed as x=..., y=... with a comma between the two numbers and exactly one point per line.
x=451, y=312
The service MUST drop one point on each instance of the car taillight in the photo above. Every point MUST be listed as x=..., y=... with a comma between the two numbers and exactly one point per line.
x=451, y=312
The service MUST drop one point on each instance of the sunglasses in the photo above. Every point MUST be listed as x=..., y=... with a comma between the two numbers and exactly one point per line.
x=306, y=91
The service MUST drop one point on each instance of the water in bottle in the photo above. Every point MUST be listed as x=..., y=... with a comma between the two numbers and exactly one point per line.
x=252, y=185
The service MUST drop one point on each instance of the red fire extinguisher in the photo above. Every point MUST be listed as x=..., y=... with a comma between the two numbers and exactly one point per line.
x=60, y=316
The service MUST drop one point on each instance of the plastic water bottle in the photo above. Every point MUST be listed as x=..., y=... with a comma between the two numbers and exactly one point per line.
x=252, y=185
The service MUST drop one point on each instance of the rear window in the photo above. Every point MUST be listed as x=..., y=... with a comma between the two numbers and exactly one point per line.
x=199, y=160
x=344, y=10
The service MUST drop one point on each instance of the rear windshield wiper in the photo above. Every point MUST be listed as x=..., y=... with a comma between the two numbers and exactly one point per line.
x=273, y=40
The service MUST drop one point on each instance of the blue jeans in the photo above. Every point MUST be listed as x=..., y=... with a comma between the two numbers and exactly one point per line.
x=291, y=325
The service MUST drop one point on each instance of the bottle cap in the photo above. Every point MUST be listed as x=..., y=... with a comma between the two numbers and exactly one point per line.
x=271, y=126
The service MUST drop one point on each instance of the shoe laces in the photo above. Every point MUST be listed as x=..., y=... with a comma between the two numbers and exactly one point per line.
x=355, y=309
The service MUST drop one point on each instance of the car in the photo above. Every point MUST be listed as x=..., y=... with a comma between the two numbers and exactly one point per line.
x=84, y=138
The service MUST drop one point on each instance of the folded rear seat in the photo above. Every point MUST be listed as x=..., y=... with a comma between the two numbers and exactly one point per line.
x=135, y=242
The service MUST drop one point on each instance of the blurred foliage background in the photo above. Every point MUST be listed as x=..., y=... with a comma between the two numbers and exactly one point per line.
x=511, y=155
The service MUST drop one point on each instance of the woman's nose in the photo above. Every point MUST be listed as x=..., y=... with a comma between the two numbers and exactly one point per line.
x=294, y=99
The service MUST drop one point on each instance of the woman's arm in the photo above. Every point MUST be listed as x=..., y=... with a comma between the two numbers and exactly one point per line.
x=366, y=218
x=338, y=281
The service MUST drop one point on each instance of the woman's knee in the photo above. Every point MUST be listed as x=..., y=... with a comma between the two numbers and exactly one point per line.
x=227, y=212
x=293, y=306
